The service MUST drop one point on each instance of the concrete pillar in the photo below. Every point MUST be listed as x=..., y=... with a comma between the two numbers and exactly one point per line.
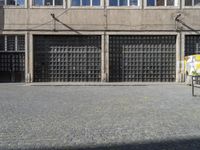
x=107, y=57
x=180, y=58
x=178, y=53
x=104, y=59
x=30, y=58
x=27, y=57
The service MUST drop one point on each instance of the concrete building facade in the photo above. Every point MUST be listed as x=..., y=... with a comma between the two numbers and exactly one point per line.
x=97, y=40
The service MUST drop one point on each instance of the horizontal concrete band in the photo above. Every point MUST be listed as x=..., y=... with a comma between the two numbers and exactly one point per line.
x=100, y=83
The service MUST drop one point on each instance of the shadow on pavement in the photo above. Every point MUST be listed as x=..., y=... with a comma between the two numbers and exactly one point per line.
x=186, y=144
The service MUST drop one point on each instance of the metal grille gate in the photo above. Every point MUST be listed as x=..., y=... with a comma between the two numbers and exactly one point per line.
x=12, y=58
x=67, y=58
x=192, y=45
x=142, y=58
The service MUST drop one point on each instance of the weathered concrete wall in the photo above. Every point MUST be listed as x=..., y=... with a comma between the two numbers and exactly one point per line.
x=15, y=18
x=94, y=19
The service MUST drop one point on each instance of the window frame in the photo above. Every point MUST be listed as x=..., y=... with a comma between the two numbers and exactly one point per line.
x=47, y=6
x=16, y=43
x=85, y=6
x=14, y=6
x=192, y=7
x=128, y=6
x=175, y=6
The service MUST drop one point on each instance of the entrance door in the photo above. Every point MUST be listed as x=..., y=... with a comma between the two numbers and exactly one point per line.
x=142, y=58
x=67, y=58
x=12, y=58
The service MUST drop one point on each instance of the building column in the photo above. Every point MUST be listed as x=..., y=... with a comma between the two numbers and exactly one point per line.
x=104, y=58
x=178, y=50
x=30, y=58
x=180, y=58
x=27, y=57
x=107, y=57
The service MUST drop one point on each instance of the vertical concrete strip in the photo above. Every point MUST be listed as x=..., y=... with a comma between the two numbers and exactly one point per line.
x=31, y=58
x=180, y=53
x=182, y=57
x=27, y=79
x=107, y=57
x=178, y=56
x=102, y=58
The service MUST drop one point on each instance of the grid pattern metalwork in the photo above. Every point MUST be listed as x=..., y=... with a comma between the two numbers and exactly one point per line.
x=12, y=62
x=20, y=43
x=2, y=43
x=11, y=45
x=192, y=45
x=67, y=58
x=142, y=58
x=12, y=58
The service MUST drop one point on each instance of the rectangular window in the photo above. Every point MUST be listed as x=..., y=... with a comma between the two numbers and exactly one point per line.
x=170, y=3
x=150, y=2
x=134, y=2
x=12, y=2
x=113, y=2
x=21, y=43
x=76, y=3
x=161, y=2
x=58, y=2
x=188, y=2
x=95, y=2
x=85, y=3
x=2, y=43
x=38, y=2
x=123, y=3
x=1, y=2
x=47, y=2
x=192, y=2
x=20, y=3
x=196, y=2
x=12, y=43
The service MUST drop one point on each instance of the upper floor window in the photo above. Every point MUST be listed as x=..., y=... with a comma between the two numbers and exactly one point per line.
x=123, y=3
x=12, y=43
x=47, y=2
x=85, y=3
x=161, y=2
x=192, y=2
x=12, y=2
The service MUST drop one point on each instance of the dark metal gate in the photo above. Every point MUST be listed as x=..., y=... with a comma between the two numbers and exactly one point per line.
x=192, y=45
x=67, y=58
x=12, y=58
x=142, y=58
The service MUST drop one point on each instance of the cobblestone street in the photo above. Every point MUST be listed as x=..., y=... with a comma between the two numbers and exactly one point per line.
x=98, y=117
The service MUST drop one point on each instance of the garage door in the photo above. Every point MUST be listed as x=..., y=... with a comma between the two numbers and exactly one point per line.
x=12, y=58
x=142, y=58
x=67, y=58
x=192, y=45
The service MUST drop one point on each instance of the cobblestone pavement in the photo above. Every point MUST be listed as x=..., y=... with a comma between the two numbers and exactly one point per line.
x=99, y=117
